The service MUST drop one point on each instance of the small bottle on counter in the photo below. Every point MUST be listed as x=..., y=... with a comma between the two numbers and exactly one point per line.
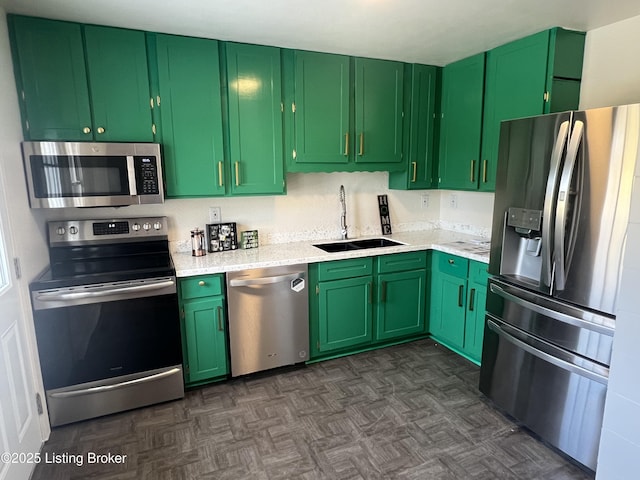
x=198, y=245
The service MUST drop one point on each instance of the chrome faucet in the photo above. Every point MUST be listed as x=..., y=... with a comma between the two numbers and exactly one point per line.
x=343, y=214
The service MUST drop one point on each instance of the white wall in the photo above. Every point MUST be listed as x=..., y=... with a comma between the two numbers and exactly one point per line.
x=611, y=76
x=611, y=66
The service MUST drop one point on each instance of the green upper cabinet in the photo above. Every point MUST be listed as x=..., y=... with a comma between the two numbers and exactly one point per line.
x=119, y=83
x=378, y=103
x=189, y=115
x=531, y=76
x=522, y=80
x=342, y=113
x=66, y=71
x=419, y=129
x=255, y=119
x=461, y=123
x=321, y=108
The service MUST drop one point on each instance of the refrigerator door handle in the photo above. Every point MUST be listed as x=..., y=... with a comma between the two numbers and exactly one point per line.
x=595, y=323
x=564, y=193
x=550, y=200
x=548, y=357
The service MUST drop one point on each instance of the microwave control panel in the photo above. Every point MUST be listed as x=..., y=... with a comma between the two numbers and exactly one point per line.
x=147, y=178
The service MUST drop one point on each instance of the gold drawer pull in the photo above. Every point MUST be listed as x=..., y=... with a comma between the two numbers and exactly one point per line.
x=202, y=283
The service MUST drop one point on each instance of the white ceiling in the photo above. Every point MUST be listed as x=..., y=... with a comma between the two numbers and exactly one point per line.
x=433, y=32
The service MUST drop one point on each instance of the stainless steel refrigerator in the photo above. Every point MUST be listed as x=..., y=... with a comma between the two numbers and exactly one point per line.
x=563, y=194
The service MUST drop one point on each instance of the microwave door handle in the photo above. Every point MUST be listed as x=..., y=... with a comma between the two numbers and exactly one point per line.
x=131, y=175
x=550, y=200
x=73, y=171
x=562, y=209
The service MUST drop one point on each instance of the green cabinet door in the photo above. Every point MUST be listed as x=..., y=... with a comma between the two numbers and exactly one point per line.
x=255, y=119
x=205, y=348
x=378, y=103
x=119, y=81
x=50, y=67
x=321, y=117
x=515, y=86
x=447, y=316
x=400, y=309
x=345, y=313
x=190, y=114
x=420, y=130
x=474, y=327
x=476, y=309
x=461, y=123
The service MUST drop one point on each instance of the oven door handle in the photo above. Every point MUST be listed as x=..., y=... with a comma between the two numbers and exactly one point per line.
x=106, y=388
x=57, y=296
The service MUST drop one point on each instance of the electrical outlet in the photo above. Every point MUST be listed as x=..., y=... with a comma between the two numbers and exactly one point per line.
x=214, y=215
x=424, y=200
x=453, y=201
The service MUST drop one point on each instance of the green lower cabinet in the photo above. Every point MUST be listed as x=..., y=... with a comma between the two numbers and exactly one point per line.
x=360, y=304
x=401, y=304
x=447, y=318
x=457, y=309
x=345, y=313
x=204, y=329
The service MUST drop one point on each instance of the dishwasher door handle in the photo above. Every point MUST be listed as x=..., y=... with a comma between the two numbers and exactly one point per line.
x=248, y=282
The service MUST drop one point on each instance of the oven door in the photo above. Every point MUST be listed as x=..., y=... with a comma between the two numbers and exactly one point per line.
x=107, y=345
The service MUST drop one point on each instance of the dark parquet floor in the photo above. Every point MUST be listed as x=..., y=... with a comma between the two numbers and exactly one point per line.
x=411, y=411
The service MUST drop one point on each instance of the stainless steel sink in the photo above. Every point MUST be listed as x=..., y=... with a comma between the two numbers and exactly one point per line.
x=348, y=245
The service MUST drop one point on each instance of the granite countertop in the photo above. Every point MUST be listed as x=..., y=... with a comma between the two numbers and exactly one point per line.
x=464, y=245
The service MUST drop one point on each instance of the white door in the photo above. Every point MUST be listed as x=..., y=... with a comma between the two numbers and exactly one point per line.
x=20, y=437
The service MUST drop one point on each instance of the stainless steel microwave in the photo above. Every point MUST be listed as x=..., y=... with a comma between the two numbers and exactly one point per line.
x=83, y=174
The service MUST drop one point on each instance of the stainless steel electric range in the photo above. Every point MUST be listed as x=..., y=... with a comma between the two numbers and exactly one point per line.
x=106, y=318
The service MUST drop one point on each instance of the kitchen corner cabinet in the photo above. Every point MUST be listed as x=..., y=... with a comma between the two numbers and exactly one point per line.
x=366, y=302
x=342, y=113
x=457, y=309
x=254, y=90
x=81, y=82
x=422, y=84
x=188, y=114
x=204, y=329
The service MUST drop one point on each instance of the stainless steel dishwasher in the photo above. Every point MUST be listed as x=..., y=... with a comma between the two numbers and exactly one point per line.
x=268, y=318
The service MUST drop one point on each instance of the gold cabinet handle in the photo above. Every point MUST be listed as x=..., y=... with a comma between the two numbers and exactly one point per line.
x=100, y=130
x=220, y=180
x=346, y=144
x=484, y=171
x=361, y=144
x=201, y=283
x=414, y=165
x=237, y=165
x=86, y=130
x=473, y=170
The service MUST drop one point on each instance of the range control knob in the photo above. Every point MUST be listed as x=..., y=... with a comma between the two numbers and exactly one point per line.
x=157, y=225
x=73, y=230
x=60, y=230
x=146, y=226
x=135, y=227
